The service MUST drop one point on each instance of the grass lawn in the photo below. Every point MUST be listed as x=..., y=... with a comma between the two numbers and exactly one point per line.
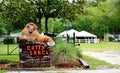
x=4, y=47
x=2, y=71
x=99, y=47
x=94, y=63
x=14, y=58
x=3, y=50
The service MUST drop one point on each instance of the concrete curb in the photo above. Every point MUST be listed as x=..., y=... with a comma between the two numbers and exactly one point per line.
x=68, y=71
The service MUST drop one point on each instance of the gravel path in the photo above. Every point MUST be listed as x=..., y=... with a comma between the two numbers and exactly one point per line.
x=112, y=57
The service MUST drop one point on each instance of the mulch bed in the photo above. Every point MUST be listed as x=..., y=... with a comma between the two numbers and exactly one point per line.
x=15, y=66
x=67, y=65
x=60, y=65
x=9, y=65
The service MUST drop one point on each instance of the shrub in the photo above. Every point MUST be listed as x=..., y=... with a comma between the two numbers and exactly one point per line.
x=64, y=52
x=13, y=65
x=2, y=31
x=9, y=40
x=111, y=38
x=4, y=61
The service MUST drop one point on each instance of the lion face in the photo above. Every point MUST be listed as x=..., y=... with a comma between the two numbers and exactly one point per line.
x=31, y=27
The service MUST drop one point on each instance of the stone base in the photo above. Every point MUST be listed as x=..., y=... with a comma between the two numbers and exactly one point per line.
x=34, y=54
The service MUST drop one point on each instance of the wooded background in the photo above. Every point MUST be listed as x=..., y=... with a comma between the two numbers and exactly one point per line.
x=95, y=16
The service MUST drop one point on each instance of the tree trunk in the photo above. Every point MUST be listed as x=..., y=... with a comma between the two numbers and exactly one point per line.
x=39, y=18
x=46, y=27
x=39, y=24
x=113, y=32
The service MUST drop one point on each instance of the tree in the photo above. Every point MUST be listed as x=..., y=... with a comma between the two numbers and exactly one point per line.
x=2, y=27
x=83, y=23
x=50, y=9
x=104, y=17
x=29, y=10
x=18, y=13
x=114, y=15
x=59, y=9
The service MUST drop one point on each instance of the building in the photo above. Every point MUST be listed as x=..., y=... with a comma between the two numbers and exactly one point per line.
x=82, y=36
x=116, y=36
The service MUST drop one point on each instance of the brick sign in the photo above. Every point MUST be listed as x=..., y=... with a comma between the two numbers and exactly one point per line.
x=34, y=54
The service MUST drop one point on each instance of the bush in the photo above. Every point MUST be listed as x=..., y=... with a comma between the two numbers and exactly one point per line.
x=9, y=40
x=2, y=31
x=13, y=65
x=4, y=61
x=64, y=52
x=111, y=38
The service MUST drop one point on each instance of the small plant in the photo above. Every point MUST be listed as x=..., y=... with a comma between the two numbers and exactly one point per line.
x=13, y=65
x=111, y=38
x=65, y=53
x=4, y=61
x=9, y=40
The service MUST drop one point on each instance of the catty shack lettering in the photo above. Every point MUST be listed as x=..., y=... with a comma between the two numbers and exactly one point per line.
x=37, y=51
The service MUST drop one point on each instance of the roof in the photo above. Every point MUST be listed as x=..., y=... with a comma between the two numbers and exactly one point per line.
x=86, y=34
x=69, y=32
x=77, y=33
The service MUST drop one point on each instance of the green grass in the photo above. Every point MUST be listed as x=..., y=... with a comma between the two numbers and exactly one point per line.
x=4, y=47
x=3, y=50
x=2, y=71
x=14, y=58
x=94, y=63
x=100, y=47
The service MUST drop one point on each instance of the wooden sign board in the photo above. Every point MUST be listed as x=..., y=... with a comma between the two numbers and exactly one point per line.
x=34, y=54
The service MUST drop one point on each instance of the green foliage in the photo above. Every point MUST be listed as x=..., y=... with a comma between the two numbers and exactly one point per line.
x=54, y=25
x=104, y=17
x=83, y=23
x=64, y=52
x=94, y=63
x=9, y=40
x=11, y=58
x=96, y=16
x=2, y=31
x=13, y=64
x=2, y=27
x=18, y=12
x=100, y=47
x=4, y=61
x=111, y=39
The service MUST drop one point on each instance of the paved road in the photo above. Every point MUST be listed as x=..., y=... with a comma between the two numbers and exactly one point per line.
x=112, y=57
x=72, y=71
